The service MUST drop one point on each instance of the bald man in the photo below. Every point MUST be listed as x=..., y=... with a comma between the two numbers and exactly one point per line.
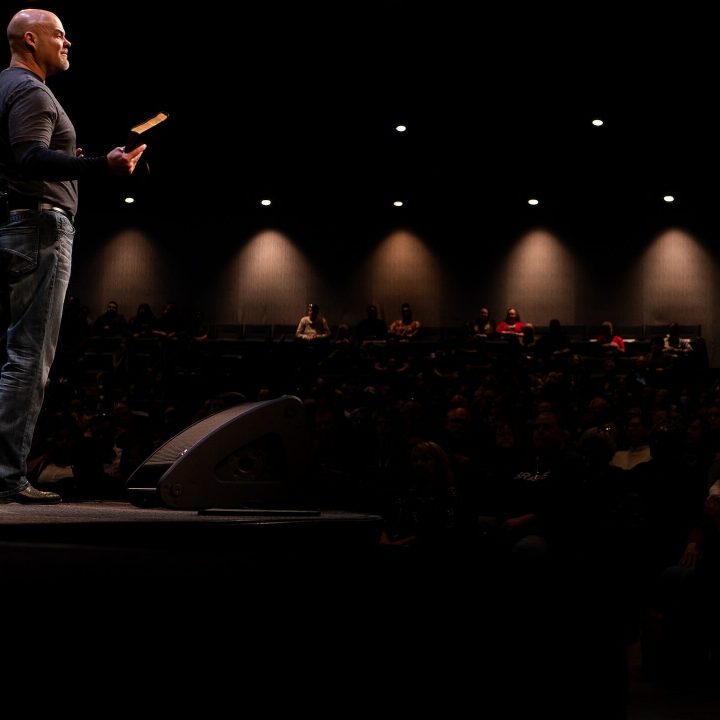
x=39, y=169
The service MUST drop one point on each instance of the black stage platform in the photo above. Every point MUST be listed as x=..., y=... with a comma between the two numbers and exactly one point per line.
x=116, y=541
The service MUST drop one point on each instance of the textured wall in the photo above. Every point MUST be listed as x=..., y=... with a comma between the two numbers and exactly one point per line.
x=268, y=277
x=130, y=268
x=538, y=278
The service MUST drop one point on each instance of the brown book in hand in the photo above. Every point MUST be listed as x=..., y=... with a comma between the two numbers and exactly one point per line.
x=136, y=133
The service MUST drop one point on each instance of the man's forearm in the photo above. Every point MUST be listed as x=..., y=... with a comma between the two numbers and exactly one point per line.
x=36, y=162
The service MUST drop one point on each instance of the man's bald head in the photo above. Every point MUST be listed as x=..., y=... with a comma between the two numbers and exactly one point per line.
x=25, y=20
x=37, y=42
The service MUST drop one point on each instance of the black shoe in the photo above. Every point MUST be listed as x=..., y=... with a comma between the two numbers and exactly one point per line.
x=33, y=496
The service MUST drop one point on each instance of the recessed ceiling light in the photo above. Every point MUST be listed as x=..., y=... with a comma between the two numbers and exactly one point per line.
x=129, y=200
x=597, y=122
x=266, y=202
x=401, y=128
x=533, y=201
x=669, y=198
x=398, y=203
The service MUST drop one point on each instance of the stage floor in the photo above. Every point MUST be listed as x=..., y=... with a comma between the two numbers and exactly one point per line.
x=116, y=539
x=106, y=512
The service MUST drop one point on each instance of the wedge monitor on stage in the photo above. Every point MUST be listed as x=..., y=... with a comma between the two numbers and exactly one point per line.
x=250, y=455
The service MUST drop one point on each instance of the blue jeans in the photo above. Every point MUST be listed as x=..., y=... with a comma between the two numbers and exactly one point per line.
x=35, y=258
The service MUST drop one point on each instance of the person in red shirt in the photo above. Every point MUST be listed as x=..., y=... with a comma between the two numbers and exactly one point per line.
x=608, y=338
x=512, y=325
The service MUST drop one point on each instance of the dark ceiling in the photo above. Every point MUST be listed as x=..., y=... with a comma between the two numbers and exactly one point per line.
x=298, y=102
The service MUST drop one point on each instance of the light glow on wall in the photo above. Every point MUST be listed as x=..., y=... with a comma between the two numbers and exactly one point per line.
x=540, y=280
x=269, y=281
x=676, y=276
x=403, y=269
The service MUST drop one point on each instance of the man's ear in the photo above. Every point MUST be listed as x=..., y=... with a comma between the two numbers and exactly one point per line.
x=30, y=39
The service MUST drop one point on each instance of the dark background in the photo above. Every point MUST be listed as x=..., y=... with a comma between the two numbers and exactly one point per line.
x=298, y=102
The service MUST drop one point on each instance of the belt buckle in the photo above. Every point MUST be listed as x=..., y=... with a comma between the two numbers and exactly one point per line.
x=56, y=208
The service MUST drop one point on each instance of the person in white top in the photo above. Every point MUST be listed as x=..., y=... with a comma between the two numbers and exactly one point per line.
x=312, y=326
x=638, y=450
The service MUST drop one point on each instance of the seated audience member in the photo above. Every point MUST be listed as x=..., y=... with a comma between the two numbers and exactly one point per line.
x=608, y=338
x=197, y=328
x=512, y=325
x=111, y=323
x=673, y=344
x=170, y=323
x=143, y=324
x=342, y=335
x=483, y=325
x=405, y=328
x=372, y=327
x=312, y=326
x=389, y=363
x=534, y=501
x=638, y=450
x=712, y=503
x=424, y=515
x=554, y=343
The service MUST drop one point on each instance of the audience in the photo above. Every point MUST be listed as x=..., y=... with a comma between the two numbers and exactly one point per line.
x=636, y=439
x=554, y=343
x=515, y=461
x=111, y=323
x=674, y=344
x=608, y=339
x=143, y=324
x=511, y=325
x=312, y=326
x=405, y=328
x=371, y=327
x=483, y=326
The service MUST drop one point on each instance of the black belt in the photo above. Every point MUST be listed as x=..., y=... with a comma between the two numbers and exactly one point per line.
x=43, y=206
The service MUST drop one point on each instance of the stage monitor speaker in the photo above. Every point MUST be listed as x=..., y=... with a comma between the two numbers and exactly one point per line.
x=250, y=455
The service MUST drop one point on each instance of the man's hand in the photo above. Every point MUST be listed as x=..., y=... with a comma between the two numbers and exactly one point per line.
x=122, y=163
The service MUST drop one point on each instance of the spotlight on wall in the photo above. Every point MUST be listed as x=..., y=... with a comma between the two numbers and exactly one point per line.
x=398, y=203
x=266, y=202
x=533, y=201
x=129, y=200
x=401, y=128
x=669, y=198
x=597, y=122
